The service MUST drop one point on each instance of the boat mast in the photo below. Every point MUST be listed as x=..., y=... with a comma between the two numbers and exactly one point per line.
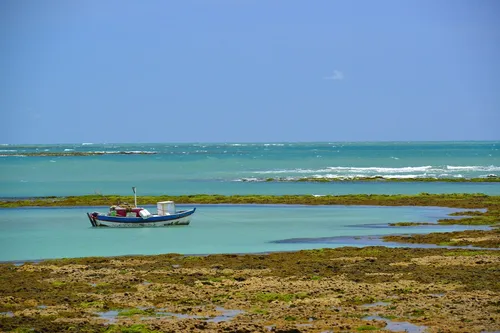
x=135, y=197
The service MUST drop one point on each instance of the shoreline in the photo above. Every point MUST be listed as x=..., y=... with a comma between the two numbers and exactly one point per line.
x=369, y=288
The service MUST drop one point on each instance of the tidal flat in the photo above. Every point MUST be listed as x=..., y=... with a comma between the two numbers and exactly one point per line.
x=327, y=290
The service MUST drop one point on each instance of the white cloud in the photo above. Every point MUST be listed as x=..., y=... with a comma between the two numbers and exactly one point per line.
x=337, y=75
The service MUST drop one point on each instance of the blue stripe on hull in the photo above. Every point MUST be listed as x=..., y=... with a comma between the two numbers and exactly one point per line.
x=171, y=219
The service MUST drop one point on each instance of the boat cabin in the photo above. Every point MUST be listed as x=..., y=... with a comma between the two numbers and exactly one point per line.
x=125, y=212
x=164, y=208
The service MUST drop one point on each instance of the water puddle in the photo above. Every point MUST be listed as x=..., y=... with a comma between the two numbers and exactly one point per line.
x=176, y=315
x=376, y=240
x=372, y=305
x=226, y=315
x=398, y=325
x=110, y=316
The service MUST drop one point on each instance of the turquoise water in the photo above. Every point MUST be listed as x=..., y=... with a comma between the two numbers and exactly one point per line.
x=237, y=168
x=41, y=233
x=229, y=168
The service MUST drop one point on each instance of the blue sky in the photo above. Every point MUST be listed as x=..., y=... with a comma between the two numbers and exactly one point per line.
x=249, y=71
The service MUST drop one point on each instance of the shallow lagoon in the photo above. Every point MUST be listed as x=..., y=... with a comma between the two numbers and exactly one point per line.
x=42, y=233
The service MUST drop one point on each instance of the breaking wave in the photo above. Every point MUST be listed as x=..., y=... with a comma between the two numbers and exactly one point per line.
x=384, y=170
x=408, y=172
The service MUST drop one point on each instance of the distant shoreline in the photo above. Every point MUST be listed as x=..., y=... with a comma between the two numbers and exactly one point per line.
x=488, y=179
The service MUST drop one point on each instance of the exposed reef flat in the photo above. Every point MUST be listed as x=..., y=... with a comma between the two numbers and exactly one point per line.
x=475, y=238
x=458, y=200
x=329, y=290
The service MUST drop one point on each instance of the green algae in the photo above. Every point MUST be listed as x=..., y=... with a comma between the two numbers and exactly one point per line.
x=476, y=220
x=409, y=224
x=58, y=283
x=220, y=299
x=135, y=312
x=476, y=238
x=259, y=311
x=93, y=305
x=458, y=200
x=467, y=213
x=267, y=297
x=466, y=253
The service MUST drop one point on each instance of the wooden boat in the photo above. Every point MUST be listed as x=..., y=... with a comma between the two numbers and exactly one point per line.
x=125, y=216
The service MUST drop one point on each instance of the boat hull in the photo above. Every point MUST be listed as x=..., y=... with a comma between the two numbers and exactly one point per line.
x=179, y=218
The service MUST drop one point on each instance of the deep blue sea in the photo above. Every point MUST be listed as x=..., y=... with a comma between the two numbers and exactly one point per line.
x=230, y=168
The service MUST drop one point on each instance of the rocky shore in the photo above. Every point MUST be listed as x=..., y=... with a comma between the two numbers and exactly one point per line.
x=329, y=290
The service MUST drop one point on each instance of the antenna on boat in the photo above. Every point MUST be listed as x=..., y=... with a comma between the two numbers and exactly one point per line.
x=135, y=197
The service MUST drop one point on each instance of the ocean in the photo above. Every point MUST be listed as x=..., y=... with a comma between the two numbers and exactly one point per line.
x=230, y=168
x=245, y=168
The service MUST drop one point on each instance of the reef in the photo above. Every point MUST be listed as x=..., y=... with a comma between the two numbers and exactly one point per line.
x=457, y=200
x=328, y=290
